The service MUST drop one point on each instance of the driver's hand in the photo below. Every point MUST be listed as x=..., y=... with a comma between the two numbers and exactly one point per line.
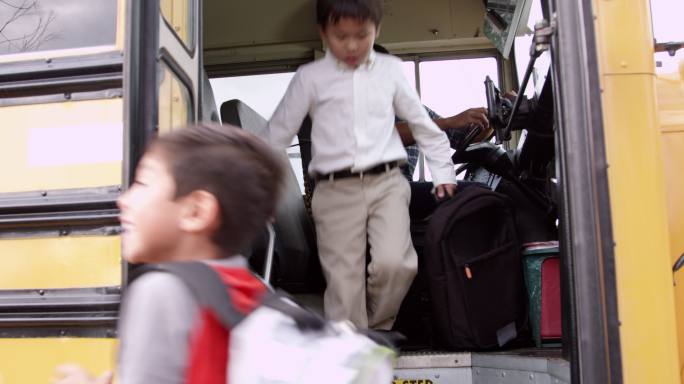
x=444, y=191
x=510, y=95
x=475, y=116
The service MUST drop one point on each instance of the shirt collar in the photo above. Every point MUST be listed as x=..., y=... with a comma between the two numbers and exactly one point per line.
x=368, y=63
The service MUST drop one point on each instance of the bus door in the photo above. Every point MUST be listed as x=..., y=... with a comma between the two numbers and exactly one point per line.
x=61, y=148
x=163, y=69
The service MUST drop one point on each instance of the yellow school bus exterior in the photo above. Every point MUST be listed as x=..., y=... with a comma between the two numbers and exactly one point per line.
x=643, y=119
x=72, y=87
x=621, y=133
x=77, y=107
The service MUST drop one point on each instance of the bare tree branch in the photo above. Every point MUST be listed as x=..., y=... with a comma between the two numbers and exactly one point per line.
x=19, y=11
x=38, y=35
x=7, y=3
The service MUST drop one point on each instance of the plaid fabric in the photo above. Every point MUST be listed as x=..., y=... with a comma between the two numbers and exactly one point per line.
x=413, y=151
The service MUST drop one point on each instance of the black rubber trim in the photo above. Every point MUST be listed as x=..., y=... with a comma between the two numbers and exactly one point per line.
x=84, y=312
x=140, y=76
x=61, y=67
x=587, y=237
x=59, y=200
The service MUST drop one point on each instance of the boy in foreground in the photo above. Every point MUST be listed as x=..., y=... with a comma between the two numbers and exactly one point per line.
x=200, y=194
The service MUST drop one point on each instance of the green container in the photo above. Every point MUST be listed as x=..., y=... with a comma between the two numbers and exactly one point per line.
x=533, y=258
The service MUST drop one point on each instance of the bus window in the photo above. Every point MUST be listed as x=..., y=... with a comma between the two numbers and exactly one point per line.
x=30, y=26
x=410, y=72
x=178, y=15
x=262, y=93
x=175, y=103
x=666, y=18
x=522, y=54
x=451, y=86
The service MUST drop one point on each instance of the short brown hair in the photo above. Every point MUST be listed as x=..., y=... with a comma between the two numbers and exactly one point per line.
x=331, y=11
x=238, y=168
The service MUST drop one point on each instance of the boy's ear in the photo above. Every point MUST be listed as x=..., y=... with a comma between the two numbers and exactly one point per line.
x=322, y=34
x=200, y=212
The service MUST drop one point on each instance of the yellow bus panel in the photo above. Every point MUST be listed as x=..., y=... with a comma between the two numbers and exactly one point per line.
x=60, y=262
x=74, y=144
x=648, y=329
x=34, y=360
x=642, y=249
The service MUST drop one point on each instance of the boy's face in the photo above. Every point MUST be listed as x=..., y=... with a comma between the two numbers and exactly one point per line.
x=149, y=213
x=350, y=39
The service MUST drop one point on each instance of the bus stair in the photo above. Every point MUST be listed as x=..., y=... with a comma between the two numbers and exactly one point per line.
x=522, y=366
x=514, y=366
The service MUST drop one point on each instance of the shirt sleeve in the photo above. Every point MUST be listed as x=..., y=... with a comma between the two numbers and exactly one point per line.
x=291, y=111
x=431, y=140
x=154, y=330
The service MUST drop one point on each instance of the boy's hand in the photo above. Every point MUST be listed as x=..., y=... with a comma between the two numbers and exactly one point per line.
x=73, y=374
x=443, y=191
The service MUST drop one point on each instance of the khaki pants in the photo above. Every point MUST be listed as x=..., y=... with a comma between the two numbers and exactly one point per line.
x=349, y=214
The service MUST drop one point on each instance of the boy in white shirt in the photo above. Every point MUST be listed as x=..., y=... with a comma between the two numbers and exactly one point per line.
x=361, y=197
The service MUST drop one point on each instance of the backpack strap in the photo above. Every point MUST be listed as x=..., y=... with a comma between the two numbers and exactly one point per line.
x=206, y=286
x=210, y=292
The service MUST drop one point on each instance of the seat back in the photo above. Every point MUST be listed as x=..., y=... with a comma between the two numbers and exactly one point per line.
x=296, y=267
x=207, y=110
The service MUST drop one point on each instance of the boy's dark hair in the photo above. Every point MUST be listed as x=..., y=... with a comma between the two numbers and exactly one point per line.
x=238, y=168
x=331, y=11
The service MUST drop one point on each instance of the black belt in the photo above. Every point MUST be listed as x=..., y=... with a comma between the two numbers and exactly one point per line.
x=345, y=173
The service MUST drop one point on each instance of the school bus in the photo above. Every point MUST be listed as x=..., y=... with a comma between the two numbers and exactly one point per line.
x=84, y=85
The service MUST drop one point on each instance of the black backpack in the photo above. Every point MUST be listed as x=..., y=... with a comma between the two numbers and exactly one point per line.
x=474, y=271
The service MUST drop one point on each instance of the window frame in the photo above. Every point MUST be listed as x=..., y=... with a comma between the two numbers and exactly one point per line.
x=190, y=50
x=167, y=59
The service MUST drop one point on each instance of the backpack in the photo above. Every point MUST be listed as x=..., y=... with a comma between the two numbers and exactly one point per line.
x=474, y=271
x=281, y=342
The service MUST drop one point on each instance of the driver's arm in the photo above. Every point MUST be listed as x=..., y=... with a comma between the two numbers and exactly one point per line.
x=476, y=116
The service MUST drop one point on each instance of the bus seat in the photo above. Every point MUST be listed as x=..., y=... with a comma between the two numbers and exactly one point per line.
x=207, y=108
x=296, y=266
x=241, y=115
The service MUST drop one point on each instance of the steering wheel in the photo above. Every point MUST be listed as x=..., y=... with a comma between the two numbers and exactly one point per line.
x=498, y=111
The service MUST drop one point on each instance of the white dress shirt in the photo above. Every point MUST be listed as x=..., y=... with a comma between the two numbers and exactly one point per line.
x=352, y=110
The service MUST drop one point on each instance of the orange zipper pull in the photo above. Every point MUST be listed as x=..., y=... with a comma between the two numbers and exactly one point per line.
x=468, y=272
